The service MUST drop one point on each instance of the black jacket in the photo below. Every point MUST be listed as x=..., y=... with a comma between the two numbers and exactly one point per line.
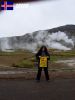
x=40, y=54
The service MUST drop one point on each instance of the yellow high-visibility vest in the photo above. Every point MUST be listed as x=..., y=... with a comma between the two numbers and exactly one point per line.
x=43, y=61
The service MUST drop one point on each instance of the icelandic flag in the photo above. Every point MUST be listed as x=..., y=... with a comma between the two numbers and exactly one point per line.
x=6, y=5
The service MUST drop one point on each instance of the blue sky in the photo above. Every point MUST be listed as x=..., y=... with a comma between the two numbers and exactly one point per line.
x=30, y=17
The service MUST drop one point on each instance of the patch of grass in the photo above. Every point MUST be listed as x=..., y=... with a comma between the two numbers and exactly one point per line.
x=24, y=64
x=53, y=58
x=63, y=53
x=26, y=59
x=14, y=53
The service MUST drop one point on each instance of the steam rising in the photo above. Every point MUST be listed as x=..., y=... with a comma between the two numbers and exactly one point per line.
x=4, y=44
x=58, y=40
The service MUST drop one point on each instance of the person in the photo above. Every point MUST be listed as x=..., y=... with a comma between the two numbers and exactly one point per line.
x=42, y=57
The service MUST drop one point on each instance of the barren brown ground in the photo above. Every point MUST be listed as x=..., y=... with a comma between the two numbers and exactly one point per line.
x=56, y=70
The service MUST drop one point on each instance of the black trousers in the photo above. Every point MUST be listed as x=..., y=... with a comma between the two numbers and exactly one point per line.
x=45, y=71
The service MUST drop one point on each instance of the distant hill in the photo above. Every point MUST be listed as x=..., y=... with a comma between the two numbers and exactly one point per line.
x=70, y=29
x=62, y=38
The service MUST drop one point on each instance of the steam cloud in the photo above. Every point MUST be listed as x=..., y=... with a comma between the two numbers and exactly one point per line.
x=58, y=40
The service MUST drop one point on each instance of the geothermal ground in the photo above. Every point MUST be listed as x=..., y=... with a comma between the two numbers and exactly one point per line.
x=64, y=60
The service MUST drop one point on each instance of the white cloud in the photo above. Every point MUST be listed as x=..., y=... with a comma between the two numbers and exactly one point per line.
x=36, y=16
